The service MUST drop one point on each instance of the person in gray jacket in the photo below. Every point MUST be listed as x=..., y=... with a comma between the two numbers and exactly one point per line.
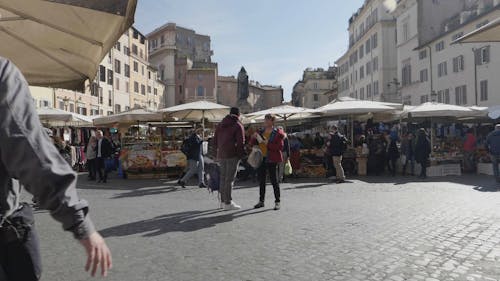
x=493, y=143
x=28, y=158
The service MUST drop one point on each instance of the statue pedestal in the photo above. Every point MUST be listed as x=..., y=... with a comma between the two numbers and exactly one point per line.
x=244, y=106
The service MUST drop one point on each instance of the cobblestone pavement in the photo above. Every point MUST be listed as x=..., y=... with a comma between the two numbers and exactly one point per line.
x=367, y=229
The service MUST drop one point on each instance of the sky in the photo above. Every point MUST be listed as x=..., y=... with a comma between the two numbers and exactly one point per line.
x=275, y=40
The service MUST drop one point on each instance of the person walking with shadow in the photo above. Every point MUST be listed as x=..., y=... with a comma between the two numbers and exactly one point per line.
x=337, y=147
x=422, y=152
x=270, y=141
x=229, y=140
x=193, y=148
x=104, y=151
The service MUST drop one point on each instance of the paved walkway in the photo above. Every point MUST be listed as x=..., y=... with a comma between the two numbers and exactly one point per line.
x=369, y=229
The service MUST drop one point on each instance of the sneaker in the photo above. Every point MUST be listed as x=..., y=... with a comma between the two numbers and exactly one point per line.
x=340, y=181
x=277, y=206
x=231, y=207
x=202, y=185
x=259, y=205
x=182, y=184
x=221, y=205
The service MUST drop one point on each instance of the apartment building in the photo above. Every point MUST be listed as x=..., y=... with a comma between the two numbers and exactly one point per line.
x=431, y=67
x=368, y=69
x=183, y=59
x=317, y=87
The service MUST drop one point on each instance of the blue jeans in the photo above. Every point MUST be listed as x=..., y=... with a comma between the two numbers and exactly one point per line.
x=495, y=159
x=193, y=168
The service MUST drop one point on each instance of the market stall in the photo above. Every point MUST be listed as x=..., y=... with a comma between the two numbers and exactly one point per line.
x=447, y=135
x=149, y=148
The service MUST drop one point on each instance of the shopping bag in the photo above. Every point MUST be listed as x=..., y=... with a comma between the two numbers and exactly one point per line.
x=288, y=168
x=403, y=159
x=255, y=158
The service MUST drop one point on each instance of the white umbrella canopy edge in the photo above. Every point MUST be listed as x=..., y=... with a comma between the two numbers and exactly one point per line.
x=487, y=33
x=60, y=43
x=433, y=109
x=197, y=111
x=129, y=117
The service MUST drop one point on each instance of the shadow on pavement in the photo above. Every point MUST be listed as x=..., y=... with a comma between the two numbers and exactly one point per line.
x=479, y=183
x=146, y=192
x=178, y=222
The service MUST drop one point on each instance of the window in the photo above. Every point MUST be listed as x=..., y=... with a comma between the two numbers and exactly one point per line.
x=118, y=46
x=374, y=41
x=142, y=70
x=117, y=108
x=110, y=97
x=136, y=34
x=440, y=46
x=424, y=98
x=458, y=64
x=127, y=87
x=143, y=90
x=444, y=96
x=110, y=77
x=141, y=54
x=442, y=69
x=361, y=72
x=422, y=54
x=375, y=64
x=424, y=77
x=180, y=89
x=117, y=83
x=406, y=73
x=102, y=73
x=82, y=110
x=315, y=85
x=149, y=74
x=362, y=93
x=136, y=87
x=375, y=88
x=367, y=46
x=484, y=90
x=368, y=68
x=406, y=31
x=361, y=52
x=118, y=68
x=316, y=97
x=71, y=107
x=484, y=55
x=136, y=66
x=456, y=36
x=201, y=91
x=369, y=90
x=162, y=39
x=126, y=51
x=461, y=95
x=127, y=70
x=156, y=92
x=149, y=89
x=134, y=49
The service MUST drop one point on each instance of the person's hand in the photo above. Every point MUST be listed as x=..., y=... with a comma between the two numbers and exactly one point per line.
x=98, y=254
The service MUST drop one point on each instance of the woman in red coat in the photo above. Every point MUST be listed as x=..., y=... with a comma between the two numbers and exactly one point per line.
x=270, y=141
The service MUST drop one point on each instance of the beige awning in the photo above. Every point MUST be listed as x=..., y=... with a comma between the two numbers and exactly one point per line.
x=60, y=43
x=487, y=33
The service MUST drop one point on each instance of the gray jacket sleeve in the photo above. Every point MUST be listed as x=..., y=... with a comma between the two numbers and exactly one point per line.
x=30, y=156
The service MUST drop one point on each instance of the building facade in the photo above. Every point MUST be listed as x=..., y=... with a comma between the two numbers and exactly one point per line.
x=260, y=97
x=317, y=88
x=42, y=97
x=182, y=57
x=368, y=69
x=431, y=68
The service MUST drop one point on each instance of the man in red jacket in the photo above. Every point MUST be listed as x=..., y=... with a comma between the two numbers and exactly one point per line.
x=229, y=140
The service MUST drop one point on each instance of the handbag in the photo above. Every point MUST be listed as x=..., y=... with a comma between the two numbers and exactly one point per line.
x=288, y=168
x=255, y=158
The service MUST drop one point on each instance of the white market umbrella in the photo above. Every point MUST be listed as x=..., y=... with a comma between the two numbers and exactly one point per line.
x=129, y=117
x=432, y=109
x=487, y=33
x=494, y=112
x=353, y=107
x=284, y=112
x=56, y=117
x=60, y=43
x=197, y=111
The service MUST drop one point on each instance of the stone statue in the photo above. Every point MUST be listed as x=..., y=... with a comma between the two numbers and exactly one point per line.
x=243, y=91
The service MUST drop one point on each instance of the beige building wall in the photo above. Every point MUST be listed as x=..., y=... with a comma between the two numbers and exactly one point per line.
x=42, y=97
x=139, y=70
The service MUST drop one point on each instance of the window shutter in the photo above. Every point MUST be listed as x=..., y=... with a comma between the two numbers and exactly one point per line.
x=477, y=55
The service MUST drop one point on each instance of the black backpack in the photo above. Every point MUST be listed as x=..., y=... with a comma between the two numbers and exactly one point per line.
x=185, y=146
